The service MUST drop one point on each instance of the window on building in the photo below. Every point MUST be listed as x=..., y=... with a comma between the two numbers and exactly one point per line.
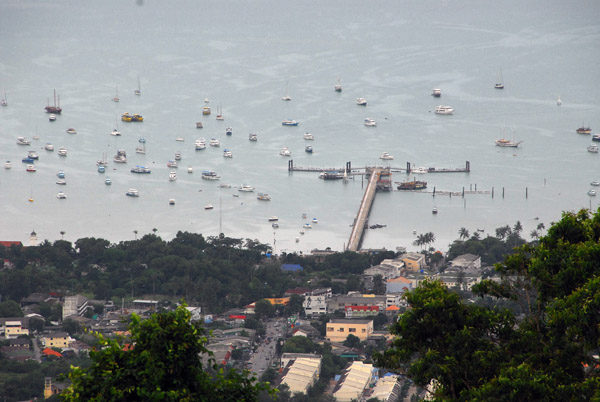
x=330, y=329
x=341, y=329
x=364, y=330
x=352, y=330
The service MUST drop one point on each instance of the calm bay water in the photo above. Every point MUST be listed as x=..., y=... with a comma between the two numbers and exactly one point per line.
x=241, y=56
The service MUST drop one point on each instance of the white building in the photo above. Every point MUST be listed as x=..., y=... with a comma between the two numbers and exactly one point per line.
x=75, y=305
x=301, y=374
x=353, y=382
x=315, y=305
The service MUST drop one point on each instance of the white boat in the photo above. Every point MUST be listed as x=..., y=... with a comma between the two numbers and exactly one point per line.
x=62, y=182
x=436, y=93
x=108, y=181
x=595, y=183
x=49, y=147
x=275, y=225
x=263, y=197
x=116, y=97
x=314, y=220
x=101, y=169
x=121, y=156
x=200, y=144
x=220, y=113
x=273, y=219
x=288, y=122
x=227, y=153
x=115, y=133
x=246, y=188
x=172, y=175
x=434, y=210
x=338, y=86
x=361, y=101
x=4, y=101
x=307, y=226
x=286, y=97
x=62, y=151
x=33, y=155
x=172, y=164
x=297, y=240
x=30, y=168
x=132, y=192
x=558, y=101
x=302, y=231
x=214, y=142
x=386, y=156
x=140, y=149
x=441, y=109
x=309, y=136
x=23, y=141
x=179, y=139
x=208, y=206
x=420, y=170
x=592, y=192
x=61, y=195
x=593, y=148
x=285, y=152
x=252, y=137
x=171, y=201
x=177, y=156
x=141, y=170
x=52, y=117
x=190, y=169
x=225, y=185
x=210, y=175
x=228, y=131
x=7, y=165
x=71, y=131
x=503, y=142
x=308, y=149
x=499, y=81
x=370, y=122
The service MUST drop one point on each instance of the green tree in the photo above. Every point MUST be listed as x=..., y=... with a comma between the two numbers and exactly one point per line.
x=10, y=308
x=263, y=309
x=544, y=352
x=352, y=341
x=162, y=363
x=463, y=233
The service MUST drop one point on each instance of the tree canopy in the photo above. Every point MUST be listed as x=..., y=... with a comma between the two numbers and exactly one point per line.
x=161, y=361
x=548, y=351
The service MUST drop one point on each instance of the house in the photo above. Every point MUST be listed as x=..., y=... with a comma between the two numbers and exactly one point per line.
x=13, y=327
x=356, y=299
x=307, y=331
x=19, y=343
x=466, y=261
x=337, y=330
x=57, y=340
x=75, y=305
x=454, y=278
x=9, y=243
x=414, y=262
x=51, y=388
x=301, y=373
x=355, y=379
x=144, y=305
x=196, y=313
x=387, y=269
x=360, y=311
x=398, y=285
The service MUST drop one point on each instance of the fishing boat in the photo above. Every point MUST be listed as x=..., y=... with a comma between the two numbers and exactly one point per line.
x=172, y=163
x=252, y=137
x=227, y=153
x=55, y=109
x=137, y=117
x=584, y=130
x=138, y=91
x=412, y=185
x=499, y=81
x=285, y=152
x=121, y=156
x=71, y=131
x=263, y=197
x=171, y=201
x=246, y=188
x=33, y=155
x=228, y=131
x=593, y=148
x=132, y=192
x=210, y=175
x=370, y=122
x=206, y=110
x=288, y=122
x=62, y=151
x=116, y=97
x=441, y=109
x=141, y=170
x=338, y=86
x=140, y=149
x=309, y=136
x=436, y=93
x=308, y=149
x=49, y=147
x=361, y=101
x=23, y=141
x=386, y=156
x=172, y=175
x=126, y=117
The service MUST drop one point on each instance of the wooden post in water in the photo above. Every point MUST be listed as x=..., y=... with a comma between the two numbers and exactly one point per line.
x=463, y=194
x=526, y=192
x=475, y=187
x=492, y=192
x=434, y=191
x=502, y=192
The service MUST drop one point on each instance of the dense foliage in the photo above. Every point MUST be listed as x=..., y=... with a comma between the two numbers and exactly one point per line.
x=465, y=352
x=162, y=360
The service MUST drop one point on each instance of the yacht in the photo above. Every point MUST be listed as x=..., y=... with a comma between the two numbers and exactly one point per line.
x=33, y=155
x=62, y=151
x=49, y=147
x=62, y=182
x=246, y=188
x=285, y=152
x=71, y=131
x=115, y=132
x=61, y=195
x=370, y=122
x=52, y=117
x=503, y=142
x=172, y=175
x=227, y=153
x=30, y=168
x=436, y=93
x=593, y=148
x=23, y=141
x=228, y=131
x=7, y=165
x=200, y=144
x=121, y=156
x=263, y=197
x=309, y=136
x=141, y=170
x=172, y=164
x=288, y=122
x=441, y=109
x=252, y=137
x=132, y=192
x=420, y=170
x=361, y=101
x=308, y=149
x=210, y=175
x=108, y=181
x=386, y=156
x=214, y=142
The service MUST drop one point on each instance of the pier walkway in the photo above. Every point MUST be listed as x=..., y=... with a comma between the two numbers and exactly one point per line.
x=360, y=222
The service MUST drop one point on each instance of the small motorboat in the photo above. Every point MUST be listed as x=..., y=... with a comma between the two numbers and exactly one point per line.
x=595, y=183
x=30, y=168
x=592, y=192
x=190, y=169
x=361, y=101
x=309, y=136
x=115, y=132
x=52, y=117
x=61, y=182
x=370, y=122
x=108, y=181
x=307, y=226
x=171, y=201
x=208, y=206
x=314, y=220
x=7, y=165
x=61, y=195
x=273, y=219
x=71, y=131
x=228, y=131
x=434, y=210
x=132, y=192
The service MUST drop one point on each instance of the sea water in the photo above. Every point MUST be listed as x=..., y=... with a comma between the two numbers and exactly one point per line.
x=241, y=57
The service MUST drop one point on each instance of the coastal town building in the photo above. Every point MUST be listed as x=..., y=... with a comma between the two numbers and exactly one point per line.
x=75, y=305
x=301, y=373
x=414, y=262
x=57, y=340
x=387, y=269
x=13, y=327
x=466, y=261
x=386, y=389
x=355, y=379
x=398, y=285
x=337, y=330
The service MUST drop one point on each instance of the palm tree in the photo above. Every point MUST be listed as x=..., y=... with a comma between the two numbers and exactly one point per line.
x=476, y=236
x=534, y=234
x=62, y=234
x=420, y=240
x=154, y=230
x=502, y=232
x=429, y=238
x=463, y=233
x=540, y=228
x=135, y=232
x=518, y=228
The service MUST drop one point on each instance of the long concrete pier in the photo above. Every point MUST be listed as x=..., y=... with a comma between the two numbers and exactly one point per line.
x=360, y=223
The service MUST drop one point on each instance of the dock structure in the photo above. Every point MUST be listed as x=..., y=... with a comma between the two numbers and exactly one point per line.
x=360, y=223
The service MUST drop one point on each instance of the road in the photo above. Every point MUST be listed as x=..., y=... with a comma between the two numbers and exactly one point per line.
x=265, y=353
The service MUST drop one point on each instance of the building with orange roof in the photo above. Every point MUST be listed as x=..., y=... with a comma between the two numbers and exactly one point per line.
x=398, y=285
x=51, y=352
